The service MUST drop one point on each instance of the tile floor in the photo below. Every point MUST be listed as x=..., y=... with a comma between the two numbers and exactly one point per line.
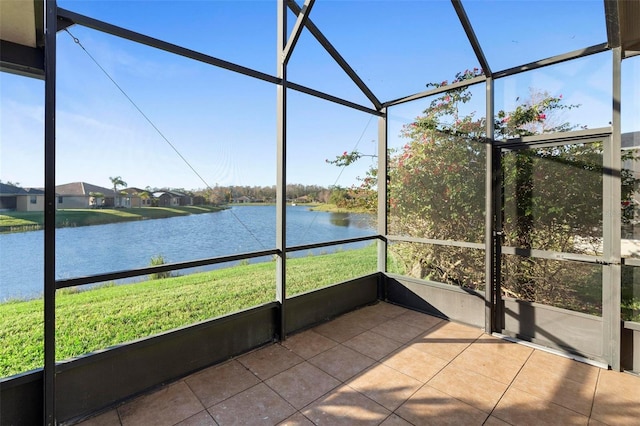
x=386, y=365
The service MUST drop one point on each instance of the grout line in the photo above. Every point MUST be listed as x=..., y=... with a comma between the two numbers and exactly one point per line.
x=509, y=386
x=593, y=397
x=118, y=414
x=340, y=385
x=314, y=400
x=433, y=376
x=184, y=379
x=588, y=416
x=449, y=362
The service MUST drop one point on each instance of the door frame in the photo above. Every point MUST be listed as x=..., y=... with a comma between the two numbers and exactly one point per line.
x=610, y=260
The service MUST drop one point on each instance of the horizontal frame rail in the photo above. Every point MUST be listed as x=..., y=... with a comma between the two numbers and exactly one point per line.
x=555, y=139
x=450, y=243
x=556, y=255
x=333, y=243
x=598, y=48
x=436, y=91
x=575, y=54
x=131, y=273
x=630, y=261
x=331, y=98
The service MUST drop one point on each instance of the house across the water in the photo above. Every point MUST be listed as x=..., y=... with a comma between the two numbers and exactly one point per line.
x=20, y=199
x=83, y=195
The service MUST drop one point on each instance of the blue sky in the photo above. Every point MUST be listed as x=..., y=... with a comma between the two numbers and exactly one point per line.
x=224, y=123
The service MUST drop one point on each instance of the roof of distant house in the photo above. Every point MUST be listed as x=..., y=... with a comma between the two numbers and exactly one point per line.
x=81, y=189
x=6, y=189
x=174, y=194
x=10, y=189
x=34, y=191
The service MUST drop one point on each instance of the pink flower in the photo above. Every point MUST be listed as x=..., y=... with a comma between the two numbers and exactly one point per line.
x=344, y=154
x=542, y=116
x=560, y=97
x=447, y=98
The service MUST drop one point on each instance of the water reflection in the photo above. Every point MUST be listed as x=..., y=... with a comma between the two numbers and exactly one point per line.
x=340, y=219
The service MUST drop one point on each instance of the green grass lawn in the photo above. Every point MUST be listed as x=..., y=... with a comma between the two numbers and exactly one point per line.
x=112, y=314
x=96, y=319
x=27, y=221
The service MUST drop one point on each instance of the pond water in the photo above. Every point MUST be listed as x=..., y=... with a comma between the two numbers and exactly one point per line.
x=114, y=247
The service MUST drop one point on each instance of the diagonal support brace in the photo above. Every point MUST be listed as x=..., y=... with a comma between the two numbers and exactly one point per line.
x=297, y=30
x=336, y=56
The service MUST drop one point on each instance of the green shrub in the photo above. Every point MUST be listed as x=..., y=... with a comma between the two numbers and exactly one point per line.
x=156, y=261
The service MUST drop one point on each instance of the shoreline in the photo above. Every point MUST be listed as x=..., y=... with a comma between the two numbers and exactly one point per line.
x=15, y=222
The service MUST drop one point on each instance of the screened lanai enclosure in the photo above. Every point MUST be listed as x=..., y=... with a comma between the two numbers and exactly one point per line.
x=484, y=155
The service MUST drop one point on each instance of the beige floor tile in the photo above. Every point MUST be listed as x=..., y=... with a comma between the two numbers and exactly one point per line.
x=429, y=406
x=345, y=406
x=397, y=330
x=617, y=399
x=220, y=382
x=269, y=361
x=167, y=406
x=340, y=329
x=296, y=420
x=203, y=418
x=612, y=383
x=395, y=420
x=110, y=418
x=308, y=344
x=616, y=414
x=258, y=405
x=495, y=361
x=372, y=345
x=458, y=331
x=389, y=310
x=503, y=348
x=521, y=408
x=470, y=387
x=417, y=364
x=445, y=341
x=546, y=384
x=419, y=320
x=442, y=350
x=342, y=362
x=302, y=384
x=386, y=386
x=367, y=317
x=563, y=367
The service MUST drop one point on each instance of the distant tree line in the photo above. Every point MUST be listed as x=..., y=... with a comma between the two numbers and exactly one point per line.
x=261, y=194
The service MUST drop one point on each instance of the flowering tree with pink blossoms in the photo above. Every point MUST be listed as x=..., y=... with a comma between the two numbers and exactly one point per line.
x=436, y=190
